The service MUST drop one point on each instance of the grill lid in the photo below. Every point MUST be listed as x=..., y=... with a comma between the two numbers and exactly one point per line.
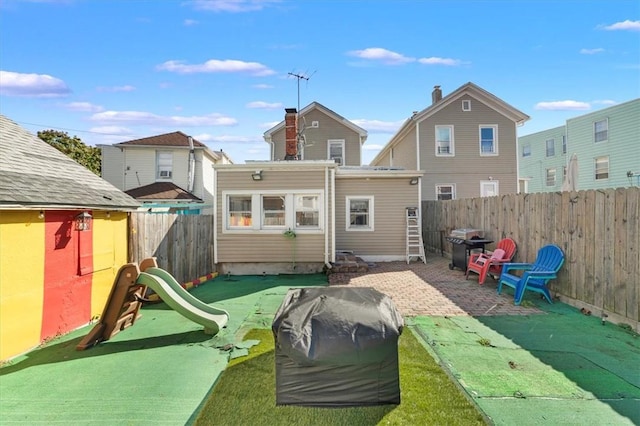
x=467, y=233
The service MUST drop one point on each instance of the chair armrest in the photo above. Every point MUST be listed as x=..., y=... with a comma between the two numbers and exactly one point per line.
x=475, y=256
x=541, y=274
x=517, y=266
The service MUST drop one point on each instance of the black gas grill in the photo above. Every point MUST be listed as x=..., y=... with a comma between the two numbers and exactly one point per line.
x=463, y=241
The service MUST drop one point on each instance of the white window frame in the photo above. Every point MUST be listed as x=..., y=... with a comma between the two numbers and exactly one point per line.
x=466, y=105
x=494, y=127
x=282, y=211
x=301, y=208
x=601, y=167
x=315, y=124
x=526, y=150
x=359, y=228
x=550, y=177
x=257, y=225
x=486, y=184
x=550, y=150
x=604, y=132
x=341, y=144
x=439, y=192
x=452, y=145
x=164, y=165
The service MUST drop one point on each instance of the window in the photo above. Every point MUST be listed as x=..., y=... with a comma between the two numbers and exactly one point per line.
x=564, y=144
x=466, y=105
x=239, y=210
x=445, y=192
x=359, y=213
x=601, y=130
x=551, y=177
x=551, y=147
x=335, y=149
x=307, y=211
x=273, y=211
x=602, y=168
x=526, y=150
x=488, y=140
x=444, y=141
x=164, y=164
x=488, y=188
x=315, y=124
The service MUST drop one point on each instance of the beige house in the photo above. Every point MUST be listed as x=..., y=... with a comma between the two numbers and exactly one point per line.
x=167, y=173
x=296, y=212
x=316, y=133
x=466, y=142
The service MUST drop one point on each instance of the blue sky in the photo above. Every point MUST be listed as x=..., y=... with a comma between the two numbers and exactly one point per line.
x=219, y=70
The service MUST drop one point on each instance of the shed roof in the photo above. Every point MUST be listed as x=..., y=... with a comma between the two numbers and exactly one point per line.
x=33, y=174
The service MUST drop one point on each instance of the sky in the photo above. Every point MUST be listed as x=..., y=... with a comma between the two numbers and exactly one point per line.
x=223, y=71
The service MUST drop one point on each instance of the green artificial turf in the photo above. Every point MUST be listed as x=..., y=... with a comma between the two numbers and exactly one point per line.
x=245, y=394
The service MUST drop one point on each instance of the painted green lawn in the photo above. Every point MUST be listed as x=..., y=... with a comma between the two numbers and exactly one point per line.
x=245, y=394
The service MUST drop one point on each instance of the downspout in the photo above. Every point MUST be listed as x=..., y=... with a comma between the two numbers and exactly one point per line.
x=418, y=161
x=215, y=215
x=326, y=216
x=333, y=214
x=192, y=165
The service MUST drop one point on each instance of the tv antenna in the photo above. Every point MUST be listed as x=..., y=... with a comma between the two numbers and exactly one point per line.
x=300, y=77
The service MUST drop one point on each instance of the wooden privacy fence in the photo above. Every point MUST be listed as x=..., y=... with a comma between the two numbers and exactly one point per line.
x=182, y=244
x=598, y=230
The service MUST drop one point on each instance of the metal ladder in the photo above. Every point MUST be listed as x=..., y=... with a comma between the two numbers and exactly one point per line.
x=415, y=246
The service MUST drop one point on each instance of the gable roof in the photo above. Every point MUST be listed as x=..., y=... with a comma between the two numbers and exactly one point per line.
x=162, y=191
x=33, y=174
x=316, y=105
x=469, y=89
x=170, y=140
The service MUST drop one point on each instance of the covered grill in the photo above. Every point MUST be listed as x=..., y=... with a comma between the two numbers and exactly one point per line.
x=462, y=241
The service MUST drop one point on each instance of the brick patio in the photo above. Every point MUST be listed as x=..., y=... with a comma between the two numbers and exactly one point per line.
x=433, y=289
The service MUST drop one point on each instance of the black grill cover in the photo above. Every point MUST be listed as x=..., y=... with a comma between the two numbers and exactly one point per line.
x=337, y=346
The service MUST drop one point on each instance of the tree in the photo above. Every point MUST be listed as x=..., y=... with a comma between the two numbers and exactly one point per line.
x=73, y=147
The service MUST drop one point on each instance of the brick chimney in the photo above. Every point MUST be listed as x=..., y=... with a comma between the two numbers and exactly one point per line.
x=436, y=95
x=291, y=133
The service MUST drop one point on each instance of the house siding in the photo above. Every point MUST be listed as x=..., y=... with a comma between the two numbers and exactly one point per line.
x=263, y=246
x=621, y=147
x=404, y=154
x=113, y=168
x=391, y=198
x=533, y=168
x=317, y=138
x=467, y=168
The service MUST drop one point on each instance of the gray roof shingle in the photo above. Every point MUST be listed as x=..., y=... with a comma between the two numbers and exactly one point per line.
x=35, y=174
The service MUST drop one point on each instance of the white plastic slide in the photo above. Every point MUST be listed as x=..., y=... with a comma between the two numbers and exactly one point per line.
x=181, y=301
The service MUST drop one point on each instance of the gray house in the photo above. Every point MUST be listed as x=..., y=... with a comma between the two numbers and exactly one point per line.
x=466, y=143
x=604, y=142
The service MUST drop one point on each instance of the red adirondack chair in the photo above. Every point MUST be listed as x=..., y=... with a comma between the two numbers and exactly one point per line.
x=485, y=264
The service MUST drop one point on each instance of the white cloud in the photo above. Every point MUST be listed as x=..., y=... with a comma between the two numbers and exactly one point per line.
x=434, y=60
x=607, y=102
x=215, y=65
x=111, y=130
x=147, y=118
x=189, y=22
x=233, y=6
x=567, y=105
x=206, y=137
x=83, y=107
x=623, y=26
x=383, y=55
x=377, y=126
x=591, y=51
x=269, y=125
x=32, y=85
x=263, y=105
x=125, y=88
x=373, y=147
x=262, y=86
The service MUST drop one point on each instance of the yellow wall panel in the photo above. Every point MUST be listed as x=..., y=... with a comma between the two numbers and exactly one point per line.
x=21, y=281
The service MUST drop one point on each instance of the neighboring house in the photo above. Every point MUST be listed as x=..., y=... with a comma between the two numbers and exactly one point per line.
x=316, y=133
x=168, y=173
x=296, y=215
x=466, y=142
x=63, y=237
x=605, y=143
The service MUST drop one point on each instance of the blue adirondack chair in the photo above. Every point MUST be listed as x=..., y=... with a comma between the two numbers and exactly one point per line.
x=535, y=275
